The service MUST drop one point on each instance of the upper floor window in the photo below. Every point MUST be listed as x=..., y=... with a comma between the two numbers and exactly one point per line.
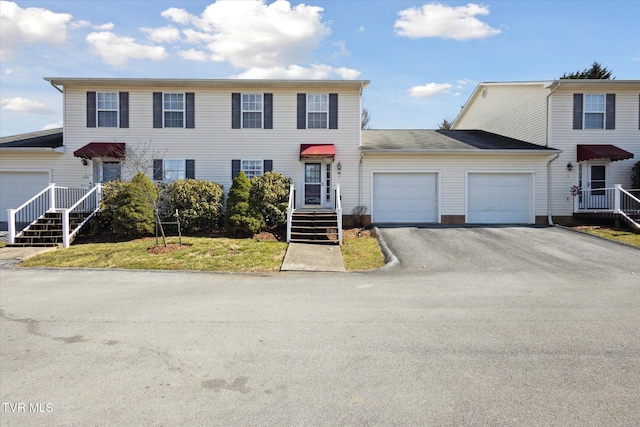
x=593, y=111
x=317, y=110
x=252, y=110
x=107, y=109
x=173, y=110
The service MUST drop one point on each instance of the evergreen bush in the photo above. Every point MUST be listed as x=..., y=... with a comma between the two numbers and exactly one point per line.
x=269, y=198
x=635, y=176
x=198, y=202
x=239, y=221
x=135, y=213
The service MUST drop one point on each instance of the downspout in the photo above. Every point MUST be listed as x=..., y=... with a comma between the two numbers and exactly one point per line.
x=550, y=219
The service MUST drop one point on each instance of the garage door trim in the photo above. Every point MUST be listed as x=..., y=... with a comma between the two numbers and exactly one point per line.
x=437, y=173
x=531, y=174
x=48, y=172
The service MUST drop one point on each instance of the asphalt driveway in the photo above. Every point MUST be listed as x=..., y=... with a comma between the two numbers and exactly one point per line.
x=497, y=326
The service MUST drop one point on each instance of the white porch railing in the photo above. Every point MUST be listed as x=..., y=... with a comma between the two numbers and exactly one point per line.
x=53, y=198
x=291, y=208
x=338, y=209
x=614, y=200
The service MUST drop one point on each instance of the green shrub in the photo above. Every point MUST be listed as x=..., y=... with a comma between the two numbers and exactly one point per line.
x=635, y=176
x=135, y=213
x=111, y=196
x=238, y=219
x=198, y=202
x=269, y=198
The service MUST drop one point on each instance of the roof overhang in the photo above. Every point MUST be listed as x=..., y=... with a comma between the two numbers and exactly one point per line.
x=317, y=151
x=602, y=151
x=114, y=150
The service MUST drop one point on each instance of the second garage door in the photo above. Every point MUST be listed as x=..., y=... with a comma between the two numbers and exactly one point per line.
x=18, y=187
x=500, y=198
x=405, y=198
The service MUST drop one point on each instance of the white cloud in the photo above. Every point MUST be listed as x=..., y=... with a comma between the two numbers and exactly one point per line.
x=361, y=29
x=84, y=24
x=430, y=89
x=162, y=35
x=252, y=34
x=342, y=50
x=438, y=20
x=194, y=55
x=314, y=72
x=25, y=105
x=20, y=27
x=55, y=125
x=115, y=50
x=462, y=83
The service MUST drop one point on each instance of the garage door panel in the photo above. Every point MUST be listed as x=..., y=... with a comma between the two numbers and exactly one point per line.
x=496, y=198
x=18, y=187
x=405, y=197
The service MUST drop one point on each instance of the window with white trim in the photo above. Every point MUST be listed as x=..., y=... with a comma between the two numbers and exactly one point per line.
x=317, y=110
x=107, y=109
x=173, y=170
x=173, y=110
x=252, y=168
x=594, y=111
x=252, y=108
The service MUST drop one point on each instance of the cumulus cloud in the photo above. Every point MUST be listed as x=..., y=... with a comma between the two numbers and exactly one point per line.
x=84, y=24
x=50, y=126
x=162, y=35
x=194, y=55
x=430, y=89
x=115, y=50
x=25, y=26
x=314, y=72
x=253, y=34
x=25, y=105
x=438, y=20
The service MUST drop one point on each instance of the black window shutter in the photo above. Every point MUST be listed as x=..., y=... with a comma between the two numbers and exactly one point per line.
x=577, y=111
x=124, y=109
x=268, y=166
x=333, y=111
x=268, y=111
x=157, y=170
x=610, y=108
x=190, y=169
x=191, y=110
x=157, y=109
x=302, y=111
x=91, y=109
x=235, y=168
x=235, y=111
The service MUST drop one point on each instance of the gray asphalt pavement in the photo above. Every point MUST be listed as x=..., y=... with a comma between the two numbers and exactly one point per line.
x=495, y=326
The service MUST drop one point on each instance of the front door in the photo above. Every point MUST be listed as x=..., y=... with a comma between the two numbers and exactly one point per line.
x=313, y=186
x=595, y=177
x=105, y=171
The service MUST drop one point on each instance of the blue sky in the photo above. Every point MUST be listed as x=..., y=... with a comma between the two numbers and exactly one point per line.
x=423, y=58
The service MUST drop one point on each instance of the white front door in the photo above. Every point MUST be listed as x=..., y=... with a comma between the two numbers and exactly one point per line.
x=593, y=176
x=314, y=188
x=105, y=171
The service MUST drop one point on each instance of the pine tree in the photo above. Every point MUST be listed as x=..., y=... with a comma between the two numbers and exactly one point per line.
x=238, y=219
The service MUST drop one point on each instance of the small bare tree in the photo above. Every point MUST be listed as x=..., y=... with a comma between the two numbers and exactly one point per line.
x=364, y=119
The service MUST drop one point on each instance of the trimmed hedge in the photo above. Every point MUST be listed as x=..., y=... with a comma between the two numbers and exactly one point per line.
x=269, y=198
x=239, y=221
x=198, y=202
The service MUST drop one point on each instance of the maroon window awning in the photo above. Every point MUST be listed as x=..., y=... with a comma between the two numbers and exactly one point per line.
x=602, y=151
x=114, y=150
x=317, y=151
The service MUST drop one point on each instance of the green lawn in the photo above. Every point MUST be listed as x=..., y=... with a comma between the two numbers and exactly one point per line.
x=199, y=253
x=623, y=236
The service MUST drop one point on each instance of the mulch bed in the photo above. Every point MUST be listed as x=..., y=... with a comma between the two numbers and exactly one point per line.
x=161, y=249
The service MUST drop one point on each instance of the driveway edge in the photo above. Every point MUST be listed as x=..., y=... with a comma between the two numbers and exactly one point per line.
x=390, y=259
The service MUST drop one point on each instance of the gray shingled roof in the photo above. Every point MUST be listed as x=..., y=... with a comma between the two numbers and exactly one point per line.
x=442, y=140
x=41, y=139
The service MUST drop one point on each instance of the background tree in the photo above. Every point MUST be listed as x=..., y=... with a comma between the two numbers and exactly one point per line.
x=364, y=119
x=595, y=72
x=445, y=125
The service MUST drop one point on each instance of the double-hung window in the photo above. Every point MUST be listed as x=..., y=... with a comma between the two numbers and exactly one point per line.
x=173, y=110
x=594, y=111
x=107, y=109
x=317, y=111
x=173, y=170
x=252, y=110
x=252, y=168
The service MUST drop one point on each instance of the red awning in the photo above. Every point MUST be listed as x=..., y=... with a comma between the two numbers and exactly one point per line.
x=602, y=151
x=317, y=151
x=101, y=149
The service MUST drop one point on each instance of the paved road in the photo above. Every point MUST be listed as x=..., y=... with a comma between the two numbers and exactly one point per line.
x=498, y=326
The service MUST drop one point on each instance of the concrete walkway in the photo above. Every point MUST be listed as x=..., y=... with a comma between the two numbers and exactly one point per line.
x=310, y=257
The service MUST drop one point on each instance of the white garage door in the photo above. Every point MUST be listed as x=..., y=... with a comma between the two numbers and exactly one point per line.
x=18, y=187
x=405, y=197
x=500, y=198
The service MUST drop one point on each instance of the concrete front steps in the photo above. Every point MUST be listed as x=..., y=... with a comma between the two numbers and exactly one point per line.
x=47, y=230
x=319, y=227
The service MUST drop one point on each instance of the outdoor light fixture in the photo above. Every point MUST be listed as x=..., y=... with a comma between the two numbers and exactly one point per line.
x=569, y=166
x=339, y=167
x=85, y=162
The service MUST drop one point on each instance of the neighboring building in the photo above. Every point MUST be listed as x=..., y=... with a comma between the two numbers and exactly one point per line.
x=595, y=124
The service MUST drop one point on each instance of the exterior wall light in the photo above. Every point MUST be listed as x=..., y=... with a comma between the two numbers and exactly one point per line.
x=569, y=166
x=339, y=167
x=85, y=162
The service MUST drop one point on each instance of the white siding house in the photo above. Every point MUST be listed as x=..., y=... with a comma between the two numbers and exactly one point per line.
x=573, y=116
